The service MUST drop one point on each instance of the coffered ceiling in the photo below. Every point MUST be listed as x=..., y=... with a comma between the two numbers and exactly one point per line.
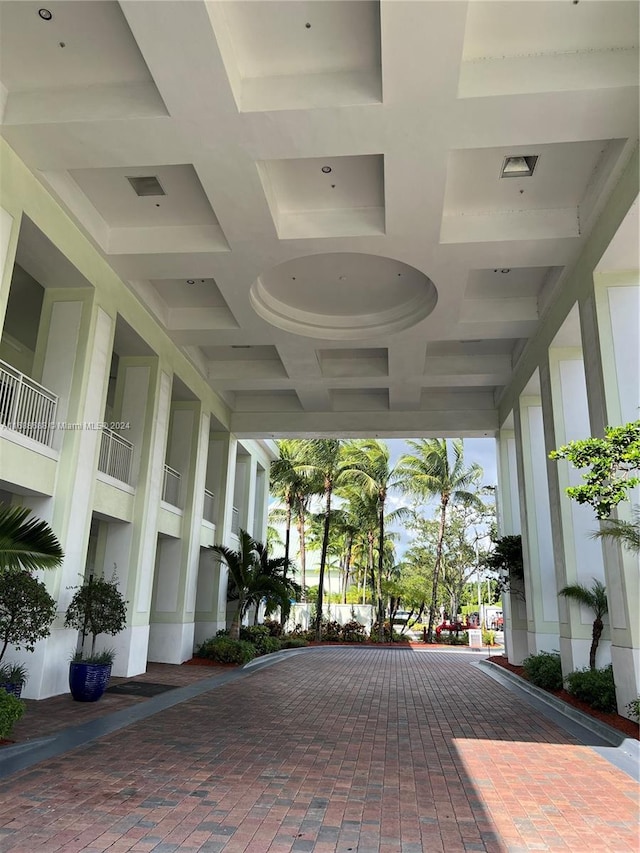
x=330, y=239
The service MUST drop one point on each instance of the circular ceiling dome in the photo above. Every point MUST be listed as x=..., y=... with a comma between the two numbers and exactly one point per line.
x=343, y=295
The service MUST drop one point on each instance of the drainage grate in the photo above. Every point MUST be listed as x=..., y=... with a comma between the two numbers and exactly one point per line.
x=140, y=688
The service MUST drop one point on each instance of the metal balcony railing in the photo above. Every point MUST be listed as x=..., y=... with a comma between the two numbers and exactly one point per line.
x=208, y=510
x=115, y=455
x=171, y=486
x=235, y=521
x=26, y=406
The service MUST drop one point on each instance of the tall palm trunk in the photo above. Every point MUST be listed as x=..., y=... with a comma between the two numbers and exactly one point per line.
x=347, y=567
x=380, y=569
x=287, y=540
x=234, y=630
x=436, y=569
x=595, y=639
x=323, y=556
x=303, y=551
x=371, y=565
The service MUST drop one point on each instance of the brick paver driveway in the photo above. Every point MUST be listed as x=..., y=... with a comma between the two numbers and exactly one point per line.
x=332, y=750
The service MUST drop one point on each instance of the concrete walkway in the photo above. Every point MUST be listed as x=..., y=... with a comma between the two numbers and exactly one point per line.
x=332, y=751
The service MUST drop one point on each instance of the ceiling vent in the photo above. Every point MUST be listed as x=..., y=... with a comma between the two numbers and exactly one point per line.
x=147, y=185
x=518, y=167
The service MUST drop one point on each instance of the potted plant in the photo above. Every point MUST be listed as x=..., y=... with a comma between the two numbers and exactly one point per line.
x=13, y=677
x=97, y=607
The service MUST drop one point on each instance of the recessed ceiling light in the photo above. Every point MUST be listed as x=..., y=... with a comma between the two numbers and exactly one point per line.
x=518, y=167
x=341, y=277
x=191, y=281
x=326, y=169
x=146, y=185
x=45, y=14
x=307, y=26
x=505, y=270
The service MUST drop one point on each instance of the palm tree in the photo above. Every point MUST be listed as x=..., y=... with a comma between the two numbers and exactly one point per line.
x=627, y=533
x=248, y=583
x=285, y=485
x=275, y=568
x=325, y=463
x=26, y=543
x=369, y=459
x=431, y=473
x=595, y=598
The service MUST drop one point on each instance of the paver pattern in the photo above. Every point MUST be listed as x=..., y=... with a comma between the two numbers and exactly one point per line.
x=331, y=751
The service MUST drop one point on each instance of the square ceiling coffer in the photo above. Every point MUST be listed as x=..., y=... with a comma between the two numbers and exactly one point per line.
x=146, y=185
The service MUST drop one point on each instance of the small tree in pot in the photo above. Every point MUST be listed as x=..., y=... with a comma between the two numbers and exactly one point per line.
x=97, y=607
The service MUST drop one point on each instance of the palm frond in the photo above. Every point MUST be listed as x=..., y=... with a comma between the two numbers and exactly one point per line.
x=26, y=543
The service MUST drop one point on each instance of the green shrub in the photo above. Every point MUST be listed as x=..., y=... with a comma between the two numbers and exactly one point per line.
x=462, y=639
x=544, y=670
x=353, y=632
x=633, y=709
x=331, y=631
x=594, y=686
x=275, y=628
x=226, y=650
x=293, y=643
x=488, y=638
x=11, y=709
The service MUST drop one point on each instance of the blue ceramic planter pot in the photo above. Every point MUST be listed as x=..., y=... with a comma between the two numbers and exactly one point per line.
x=88, y=681
x=13, y=688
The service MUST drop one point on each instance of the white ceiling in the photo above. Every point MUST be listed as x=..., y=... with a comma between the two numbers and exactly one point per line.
x=392, y=295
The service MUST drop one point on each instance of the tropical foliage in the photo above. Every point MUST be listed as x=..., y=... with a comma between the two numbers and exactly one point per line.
x=254, y=576
x=431, y=472
x=27, y=611
x=26, y=542
x=611, y=462
x=595, y=598
x=346, y=497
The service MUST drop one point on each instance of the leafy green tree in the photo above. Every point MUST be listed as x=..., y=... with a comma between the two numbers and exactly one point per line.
x=429, y=472
x=595, y=598
x=26, y=543
x=26, y=610
x=97, y=607
x=505, y=559
x=610, y=461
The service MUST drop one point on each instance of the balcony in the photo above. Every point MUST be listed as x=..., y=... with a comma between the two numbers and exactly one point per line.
x=26, y=406
x=171, y=486
x=208, y=509
x=115, y=456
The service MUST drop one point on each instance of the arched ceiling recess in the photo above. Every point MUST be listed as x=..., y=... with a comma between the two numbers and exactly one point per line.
x=343, y=296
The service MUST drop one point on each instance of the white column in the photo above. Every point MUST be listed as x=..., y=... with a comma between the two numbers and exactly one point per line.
x=578, y=557
x=609, y=322
x=143, y=393
x=539, y=569
x=70, y=509
x=171, y=638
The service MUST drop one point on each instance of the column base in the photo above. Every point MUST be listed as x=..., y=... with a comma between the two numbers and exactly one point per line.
x=626, y=672
x=170, y=642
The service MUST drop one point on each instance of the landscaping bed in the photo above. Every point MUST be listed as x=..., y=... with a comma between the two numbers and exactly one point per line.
x=628, y=727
